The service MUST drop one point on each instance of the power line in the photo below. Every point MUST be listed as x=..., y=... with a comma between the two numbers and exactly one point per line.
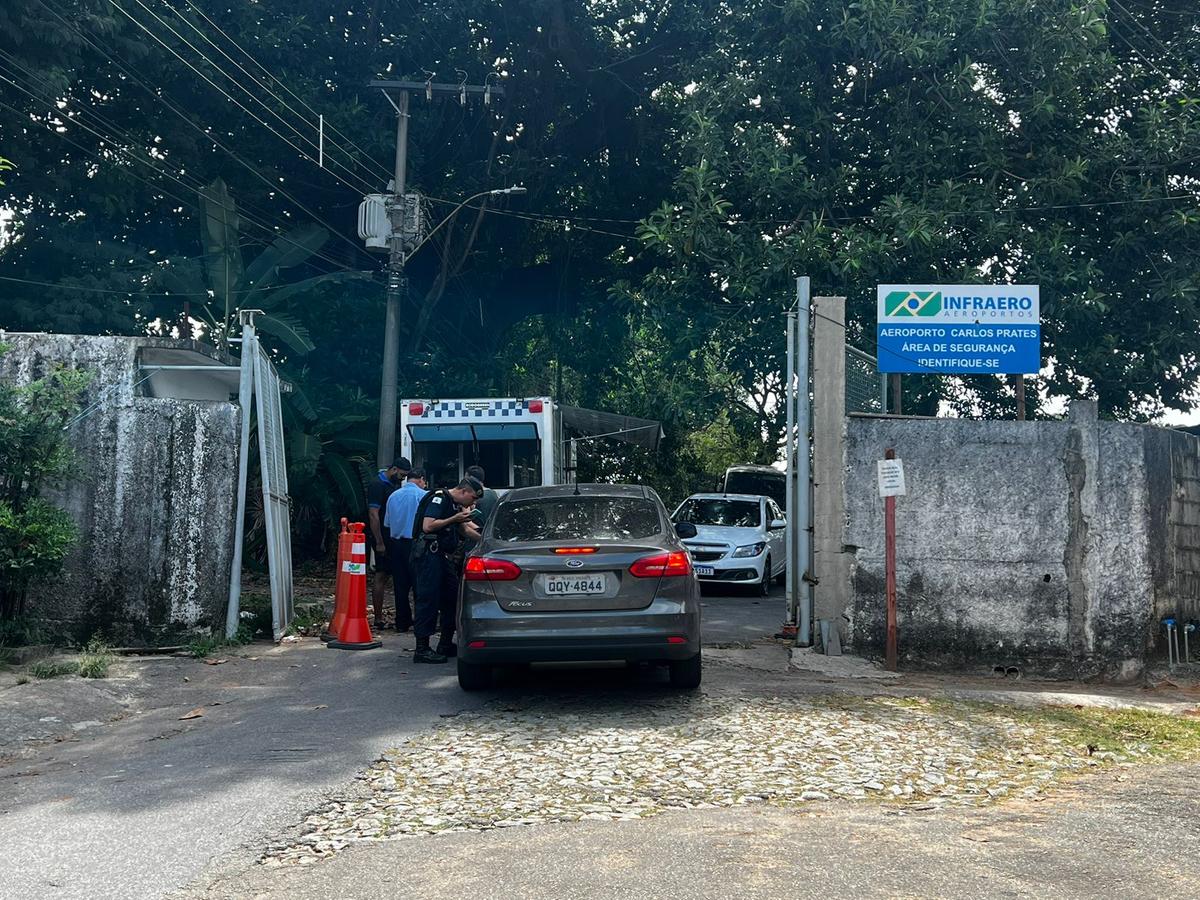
x=379, y=166
x=190, y=188
x=244, y=89
x=543, y=218
x=222, y=91
x=92, y=290
x=1133, y=20
x=203, y=132
x=258, y=83
x=573, y=220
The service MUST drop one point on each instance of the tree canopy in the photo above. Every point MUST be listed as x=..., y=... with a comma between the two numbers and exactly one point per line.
x=684, y=160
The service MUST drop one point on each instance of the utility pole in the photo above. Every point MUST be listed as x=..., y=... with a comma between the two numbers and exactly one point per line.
x=397, y=283
x=407, y=227
x=799, y=471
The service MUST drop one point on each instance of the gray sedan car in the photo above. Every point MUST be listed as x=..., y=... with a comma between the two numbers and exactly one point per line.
x=569, y=573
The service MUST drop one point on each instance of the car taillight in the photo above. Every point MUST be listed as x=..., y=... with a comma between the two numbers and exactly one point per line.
x=416, y=409
x=483, y=568
x=574, y=550
x=535, y=406
x=661, y=565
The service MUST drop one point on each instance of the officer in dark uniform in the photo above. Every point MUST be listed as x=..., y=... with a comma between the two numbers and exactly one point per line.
x=441, y=523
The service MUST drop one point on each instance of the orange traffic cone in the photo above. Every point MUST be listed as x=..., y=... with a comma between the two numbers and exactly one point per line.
x=341, y=594
x=354, y=633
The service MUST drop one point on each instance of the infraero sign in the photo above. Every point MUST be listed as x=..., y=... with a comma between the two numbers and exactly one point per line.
x=960, y=329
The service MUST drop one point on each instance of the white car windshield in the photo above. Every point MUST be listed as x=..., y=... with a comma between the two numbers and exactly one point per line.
x=729, y=513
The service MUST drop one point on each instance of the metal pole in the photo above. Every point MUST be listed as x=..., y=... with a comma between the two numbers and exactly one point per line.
x=803, y=552
x=1020, y=398
x=897, y=398
x=245, y=394
x=889, y=563
x=883, y=398
x=396, y=283
x=789, y=399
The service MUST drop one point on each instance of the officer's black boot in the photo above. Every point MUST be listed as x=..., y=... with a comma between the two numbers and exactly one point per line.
x=446, y=646
x=425, y=655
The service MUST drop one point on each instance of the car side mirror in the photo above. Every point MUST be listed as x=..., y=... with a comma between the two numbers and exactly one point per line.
x=686, y=530
x=778, y=523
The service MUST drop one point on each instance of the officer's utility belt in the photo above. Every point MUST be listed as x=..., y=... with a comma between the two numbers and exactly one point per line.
x=424, y=545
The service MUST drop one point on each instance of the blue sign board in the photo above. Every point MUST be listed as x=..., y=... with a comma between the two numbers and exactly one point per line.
x=960, y=329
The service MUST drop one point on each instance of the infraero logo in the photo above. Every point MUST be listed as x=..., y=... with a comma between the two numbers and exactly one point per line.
x=913, y=303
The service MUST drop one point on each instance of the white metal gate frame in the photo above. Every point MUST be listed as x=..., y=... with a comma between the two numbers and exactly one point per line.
x=260, y=381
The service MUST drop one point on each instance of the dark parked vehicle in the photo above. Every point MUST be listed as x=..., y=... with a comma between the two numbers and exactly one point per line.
x=568, y=573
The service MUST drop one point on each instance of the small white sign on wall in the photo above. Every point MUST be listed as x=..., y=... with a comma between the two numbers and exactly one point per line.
x=891, y=478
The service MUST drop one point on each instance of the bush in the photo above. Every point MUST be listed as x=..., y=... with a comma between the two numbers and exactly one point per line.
x=45, y=668
x=96, y=659
x=34, y=535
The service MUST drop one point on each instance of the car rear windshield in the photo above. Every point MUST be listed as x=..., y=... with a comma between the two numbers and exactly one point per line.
x=576, y=519
x=733, y=513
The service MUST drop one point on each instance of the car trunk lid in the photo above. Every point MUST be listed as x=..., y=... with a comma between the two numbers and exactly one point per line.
x=591, y=577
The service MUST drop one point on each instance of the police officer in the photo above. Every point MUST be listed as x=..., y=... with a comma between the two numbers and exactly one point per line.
x=442, y=521
x=401, y=507
x=378, y=491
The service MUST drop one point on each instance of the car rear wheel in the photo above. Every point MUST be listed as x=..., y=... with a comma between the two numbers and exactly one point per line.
x=685, y=673
x=472, y=677
x=764, y=584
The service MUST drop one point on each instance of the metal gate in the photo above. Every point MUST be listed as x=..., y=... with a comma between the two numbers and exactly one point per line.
x=260, y=381
x=276, y=507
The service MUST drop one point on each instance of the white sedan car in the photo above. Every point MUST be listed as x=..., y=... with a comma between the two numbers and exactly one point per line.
x=739, y=538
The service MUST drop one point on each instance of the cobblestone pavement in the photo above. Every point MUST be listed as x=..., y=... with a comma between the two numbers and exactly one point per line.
x=542, y=759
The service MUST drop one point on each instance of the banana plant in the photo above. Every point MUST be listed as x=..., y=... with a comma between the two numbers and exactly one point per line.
x=232, y=285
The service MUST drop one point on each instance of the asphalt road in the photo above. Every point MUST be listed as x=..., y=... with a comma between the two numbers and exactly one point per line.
x=141, y=807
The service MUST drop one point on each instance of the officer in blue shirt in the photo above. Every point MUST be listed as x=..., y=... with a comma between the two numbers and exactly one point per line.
x=398, y=517
x=378, y=491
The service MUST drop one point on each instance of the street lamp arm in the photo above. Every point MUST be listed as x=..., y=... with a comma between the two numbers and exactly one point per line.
x=495, y=192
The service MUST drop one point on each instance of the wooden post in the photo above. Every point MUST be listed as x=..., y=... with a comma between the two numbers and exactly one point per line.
x=897, y=405
x=889, y=553
x=1020, y=398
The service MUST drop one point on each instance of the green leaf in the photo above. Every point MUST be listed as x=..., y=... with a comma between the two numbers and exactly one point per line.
x=299, y=401
x=222, y=256
x=288, y=329
x=286, y=251
x=304, y=452
x=348, y=484
x=255, y=297
x=357, y=446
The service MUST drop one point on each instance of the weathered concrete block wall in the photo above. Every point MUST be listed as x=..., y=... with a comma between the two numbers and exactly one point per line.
x=1035, y=544
x=153, y=495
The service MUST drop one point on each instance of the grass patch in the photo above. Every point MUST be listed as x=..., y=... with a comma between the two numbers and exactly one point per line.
x=308, y=619
x=45, y=668
x=1142, y=733
x=1161, y=736
x=96, y=659
x=207, y=645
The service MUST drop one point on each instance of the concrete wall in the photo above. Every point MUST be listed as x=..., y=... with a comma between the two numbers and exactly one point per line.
x=153, y=495
x=1044, y=545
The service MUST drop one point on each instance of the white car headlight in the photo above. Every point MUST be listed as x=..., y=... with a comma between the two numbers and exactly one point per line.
x=749, y=550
